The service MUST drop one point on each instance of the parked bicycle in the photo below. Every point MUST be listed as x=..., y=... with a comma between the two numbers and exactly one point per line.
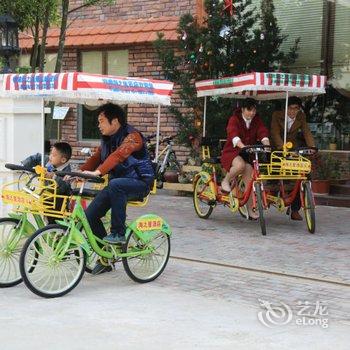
x=166, y=160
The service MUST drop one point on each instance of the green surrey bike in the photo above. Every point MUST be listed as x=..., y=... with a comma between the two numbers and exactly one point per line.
x=27, y=195
x=53, y=259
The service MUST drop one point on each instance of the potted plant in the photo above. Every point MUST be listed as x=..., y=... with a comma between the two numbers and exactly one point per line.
x=324, y=169
x=171, y=173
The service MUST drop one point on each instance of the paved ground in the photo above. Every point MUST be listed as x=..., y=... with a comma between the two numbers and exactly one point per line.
x=208, y=296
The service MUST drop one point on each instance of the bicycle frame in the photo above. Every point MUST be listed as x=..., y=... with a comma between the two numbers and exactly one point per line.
x=77, y=221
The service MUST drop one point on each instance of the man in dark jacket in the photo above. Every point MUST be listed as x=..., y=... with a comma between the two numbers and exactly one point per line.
x=123, y=155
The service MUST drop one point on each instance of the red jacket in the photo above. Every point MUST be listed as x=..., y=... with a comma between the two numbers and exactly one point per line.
x=236, y=127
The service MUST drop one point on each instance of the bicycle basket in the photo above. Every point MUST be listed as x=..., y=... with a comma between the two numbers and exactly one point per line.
x=285, y=166
x=38, y=197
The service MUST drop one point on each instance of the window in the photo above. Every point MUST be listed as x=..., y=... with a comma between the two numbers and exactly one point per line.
x=99, y=62
x=50, y=61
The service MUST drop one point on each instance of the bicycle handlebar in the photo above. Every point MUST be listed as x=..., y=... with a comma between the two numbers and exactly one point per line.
x=91, y=178
x=256, y=149
x=307, y=150
x=17, y=167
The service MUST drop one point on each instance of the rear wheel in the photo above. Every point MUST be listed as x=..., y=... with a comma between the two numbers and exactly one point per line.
x=243, y=210
x=309, y=208
x=144, y=268
x=260, y=207
x=202, y=205
x=46, y=273
x=10, y=249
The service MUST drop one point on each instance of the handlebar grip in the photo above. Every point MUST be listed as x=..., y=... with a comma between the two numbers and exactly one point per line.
x=17, y=167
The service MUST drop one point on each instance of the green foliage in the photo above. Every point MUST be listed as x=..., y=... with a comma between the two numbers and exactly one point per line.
x=224, y=45
x=325, y=167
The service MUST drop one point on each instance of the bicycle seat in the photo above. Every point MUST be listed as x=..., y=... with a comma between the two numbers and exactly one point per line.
x=212, y=160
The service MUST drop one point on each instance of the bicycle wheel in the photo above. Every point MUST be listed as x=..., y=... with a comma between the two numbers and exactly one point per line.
x=309, y=208
x=146, y=268
x=43, y=271
x=201, y=205
x=9, y=253
x=260, y=206
x=173, y=162
x=243, y=210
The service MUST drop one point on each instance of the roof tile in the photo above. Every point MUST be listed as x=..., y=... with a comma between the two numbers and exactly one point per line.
x=87, y=33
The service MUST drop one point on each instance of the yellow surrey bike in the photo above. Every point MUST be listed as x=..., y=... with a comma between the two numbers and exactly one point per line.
x=284, y=167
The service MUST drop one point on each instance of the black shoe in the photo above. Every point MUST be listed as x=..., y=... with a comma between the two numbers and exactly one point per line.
x=114, y=238
x=99, y=268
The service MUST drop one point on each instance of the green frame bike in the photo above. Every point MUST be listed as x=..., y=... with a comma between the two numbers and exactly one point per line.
x=14, y=230
x=53, y=259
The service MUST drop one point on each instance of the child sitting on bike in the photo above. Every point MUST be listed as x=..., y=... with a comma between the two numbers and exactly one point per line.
x=244, y=128
x=57, y=160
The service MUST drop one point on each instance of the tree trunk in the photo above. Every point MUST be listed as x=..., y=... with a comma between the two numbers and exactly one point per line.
x=34, y=56
x=43, y=38
x=62, y=39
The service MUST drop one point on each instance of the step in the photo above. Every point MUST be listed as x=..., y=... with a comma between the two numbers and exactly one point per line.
x=340, y=189
x=178, y=187
x=334, y=201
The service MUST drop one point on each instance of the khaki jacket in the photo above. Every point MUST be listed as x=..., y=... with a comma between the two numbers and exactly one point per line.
x=299, y=125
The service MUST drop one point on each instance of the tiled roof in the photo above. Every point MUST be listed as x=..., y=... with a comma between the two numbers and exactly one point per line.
x=89, y=33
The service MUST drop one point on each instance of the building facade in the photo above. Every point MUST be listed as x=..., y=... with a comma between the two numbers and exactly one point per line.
x=118, y=40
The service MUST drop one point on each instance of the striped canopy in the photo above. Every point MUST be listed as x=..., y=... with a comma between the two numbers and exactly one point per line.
x=263, y=86
x=92, y=89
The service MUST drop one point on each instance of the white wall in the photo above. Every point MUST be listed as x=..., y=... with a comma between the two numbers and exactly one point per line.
x=20, y=135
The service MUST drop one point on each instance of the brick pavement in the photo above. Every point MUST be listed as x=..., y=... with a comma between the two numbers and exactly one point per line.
x=287, y=249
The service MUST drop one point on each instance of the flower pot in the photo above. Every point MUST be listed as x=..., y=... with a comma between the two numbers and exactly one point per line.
x=171, y=176
x=332, y=146
x=320, y=186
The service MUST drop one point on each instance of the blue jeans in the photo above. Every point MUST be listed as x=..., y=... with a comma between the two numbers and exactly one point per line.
x=114, y=196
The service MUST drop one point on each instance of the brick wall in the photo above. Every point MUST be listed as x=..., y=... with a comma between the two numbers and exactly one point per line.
x=134, y=9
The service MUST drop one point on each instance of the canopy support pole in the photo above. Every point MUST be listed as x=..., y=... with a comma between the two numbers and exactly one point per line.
x=205, y=115
x=285, y=123
x=43, y=132
x=158, y=132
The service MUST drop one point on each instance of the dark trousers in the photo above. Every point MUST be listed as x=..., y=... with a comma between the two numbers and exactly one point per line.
x=114, y=196
x=296, y=204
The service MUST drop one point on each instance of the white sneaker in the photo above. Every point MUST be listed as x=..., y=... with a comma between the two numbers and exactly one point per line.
x=225, y=185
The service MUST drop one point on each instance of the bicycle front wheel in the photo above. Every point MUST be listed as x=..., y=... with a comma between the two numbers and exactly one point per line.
x=47, y=272
x=309, y=208
x=144, y=268
x=201, y=204
x=260, y=207
x=10, y=249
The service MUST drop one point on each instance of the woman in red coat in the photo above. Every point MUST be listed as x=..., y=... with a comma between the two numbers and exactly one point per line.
x=244, y=128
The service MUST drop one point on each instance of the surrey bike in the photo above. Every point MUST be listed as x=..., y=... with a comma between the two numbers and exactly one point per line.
x=53, y=259
x=286, y=165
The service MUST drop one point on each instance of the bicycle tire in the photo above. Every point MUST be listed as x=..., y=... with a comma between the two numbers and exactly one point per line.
x=309, y=208
x=259, y=201
x=135, y=272
x=205, y=213
x=9, y=263
x=75, y=254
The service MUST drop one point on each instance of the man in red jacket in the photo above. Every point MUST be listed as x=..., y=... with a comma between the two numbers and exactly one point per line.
x=244, y=128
